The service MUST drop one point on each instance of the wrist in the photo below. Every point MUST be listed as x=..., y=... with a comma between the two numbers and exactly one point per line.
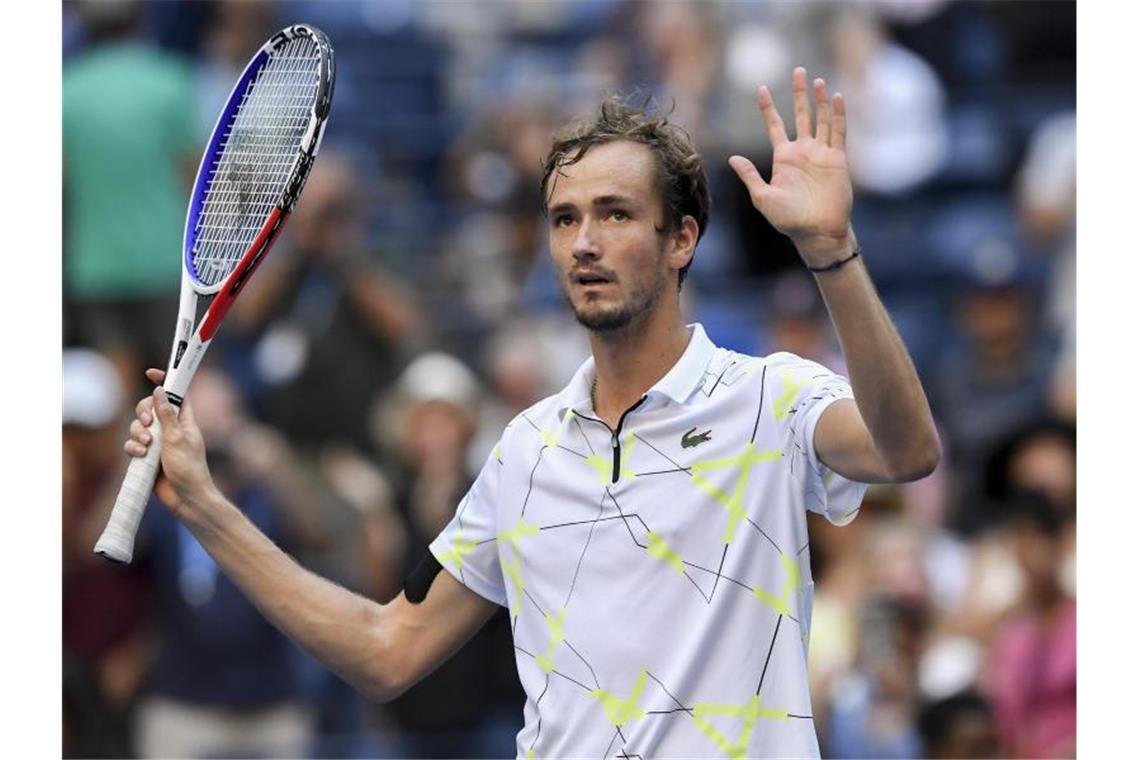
x=822, y=251
x=200, y=505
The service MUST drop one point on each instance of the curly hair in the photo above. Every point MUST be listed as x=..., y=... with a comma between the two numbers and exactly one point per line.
x=681, y=179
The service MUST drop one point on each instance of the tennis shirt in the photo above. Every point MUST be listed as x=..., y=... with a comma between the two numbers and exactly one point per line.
x=657, y=574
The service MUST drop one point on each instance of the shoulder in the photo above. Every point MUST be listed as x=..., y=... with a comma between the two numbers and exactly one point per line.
x=530, y=424
x=733, y=369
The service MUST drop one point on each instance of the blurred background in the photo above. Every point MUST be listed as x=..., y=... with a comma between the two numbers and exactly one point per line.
x=410, y=311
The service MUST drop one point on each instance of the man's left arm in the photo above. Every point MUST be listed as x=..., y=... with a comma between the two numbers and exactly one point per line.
x=887, y=434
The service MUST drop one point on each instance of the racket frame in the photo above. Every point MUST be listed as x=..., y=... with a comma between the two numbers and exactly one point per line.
x=190, y=342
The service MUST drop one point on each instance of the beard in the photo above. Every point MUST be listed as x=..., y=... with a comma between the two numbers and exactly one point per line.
x=613, y=318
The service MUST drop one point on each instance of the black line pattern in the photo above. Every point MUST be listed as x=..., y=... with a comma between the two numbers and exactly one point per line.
x=530, y=483
x=631, y=520
x=582, y=556
x=537, y=702
x=769, y=657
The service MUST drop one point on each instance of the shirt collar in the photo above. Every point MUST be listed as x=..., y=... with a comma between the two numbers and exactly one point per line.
x=677, y=384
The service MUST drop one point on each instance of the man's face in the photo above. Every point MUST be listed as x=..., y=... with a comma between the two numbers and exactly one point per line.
x=613, y=265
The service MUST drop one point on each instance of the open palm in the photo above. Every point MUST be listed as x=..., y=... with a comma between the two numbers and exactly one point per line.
x=809, y=196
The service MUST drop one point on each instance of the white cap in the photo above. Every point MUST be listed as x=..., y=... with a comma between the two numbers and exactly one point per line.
x=92, y=392
x=436, y=376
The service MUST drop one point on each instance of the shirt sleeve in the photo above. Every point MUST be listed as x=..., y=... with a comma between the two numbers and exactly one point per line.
x=803, y=390
x=467, y=547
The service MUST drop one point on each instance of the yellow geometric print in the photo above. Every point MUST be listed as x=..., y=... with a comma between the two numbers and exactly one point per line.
x=750, y=712
x=735, y=502
x=461, y=547
x=782, y=604
x=556, y=624
x=662, y=551
x=603, y=464
x=622, y=711
x=513, y=570
x=786, y=400
x=551, y=439
x=521, y=530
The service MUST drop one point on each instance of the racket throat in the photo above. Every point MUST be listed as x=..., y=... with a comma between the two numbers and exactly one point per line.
x=240, y=276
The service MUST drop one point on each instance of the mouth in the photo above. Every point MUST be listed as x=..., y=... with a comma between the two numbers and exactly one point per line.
x=590, y=279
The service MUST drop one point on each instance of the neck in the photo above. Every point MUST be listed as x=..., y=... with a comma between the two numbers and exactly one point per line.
x=629, y=361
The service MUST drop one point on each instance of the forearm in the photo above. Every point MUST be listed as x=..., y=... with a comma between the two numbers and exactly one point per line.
x=887, y=390
x=343, y=630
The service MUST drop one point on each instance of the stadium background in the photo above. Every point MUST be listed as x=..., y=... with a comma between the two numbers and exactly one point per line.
x=410, y=311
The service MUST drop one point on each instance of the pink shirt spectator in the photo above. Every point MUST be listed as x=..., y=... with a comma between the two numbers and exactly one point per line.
x=1034, y=684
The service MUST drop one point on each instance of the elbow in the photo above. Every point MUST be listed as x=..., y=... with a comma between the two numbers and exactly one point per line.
x=381, y=686
x=383, y=675
x=921, y=461
x=378, y=690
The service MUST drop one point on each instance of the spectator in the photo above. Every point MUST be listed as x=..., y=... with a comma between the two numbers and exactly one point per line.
x=898, y=132
x=222, y=681
x=469, y=706
x=959, y=726
x=1042, y=458
x=327, y=325
x=1032, y=673
x=996, y=379
x=104, y=607
x=796, y=321
x=130, y=147
x=873, y=712
x=1047, y=203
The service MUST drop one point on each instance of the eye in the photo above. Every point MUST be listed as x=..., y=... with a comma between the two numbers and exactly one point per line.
x=618, y=215
x=562, y=220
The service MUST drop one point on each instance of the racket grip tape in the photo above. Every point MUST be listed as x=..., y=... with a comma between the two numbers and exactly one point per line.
x=118, y=540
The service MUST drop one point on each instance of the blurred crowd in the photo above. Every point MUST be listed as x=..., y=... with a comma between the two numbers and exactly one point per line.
x=410, y=311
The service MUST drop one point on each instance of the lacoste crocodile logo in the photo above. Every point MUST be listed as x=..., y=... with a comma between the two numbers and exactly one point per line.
x=688, y=440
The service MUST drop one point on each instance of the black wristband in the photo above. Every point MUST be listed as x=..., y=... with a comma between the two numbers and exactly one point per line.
x=837, y=264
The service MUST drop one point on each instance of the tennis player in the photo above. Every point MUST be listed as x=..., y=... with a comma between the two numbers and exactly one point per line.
x=646, y=526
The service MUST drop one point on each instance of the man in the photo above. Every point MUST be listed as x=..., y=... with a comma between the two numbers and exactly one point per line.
x=646, y=526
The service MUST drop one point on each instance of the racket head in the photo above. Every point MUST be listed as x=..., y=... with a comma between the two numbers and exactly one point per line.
x=259, y=154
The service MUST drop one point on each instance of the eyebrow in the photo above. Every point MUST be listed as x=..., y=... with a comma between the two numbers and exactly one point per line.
x=601, y=200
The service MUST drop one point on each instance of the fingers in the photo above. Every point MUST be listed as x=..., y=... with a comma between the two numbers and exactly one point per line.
x=139, y=441
x=749, y=175
x=800, y=103
x=838, y=122
x=144, y=410
x=155, y=375
x=822, y=112
x=140, y=433
x=776, y=133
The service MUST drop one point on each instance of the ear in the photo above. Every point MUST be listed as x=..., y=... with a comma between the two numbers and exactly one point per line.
x=684, y=242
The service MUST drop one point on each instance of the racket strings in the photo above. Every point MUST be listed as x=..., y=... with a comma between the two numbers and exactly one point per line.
x=255, y=158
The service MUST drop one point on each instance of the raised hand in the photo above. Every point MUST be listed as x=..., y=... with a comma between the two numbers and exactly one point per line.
x=809, y=196
x=184, y=474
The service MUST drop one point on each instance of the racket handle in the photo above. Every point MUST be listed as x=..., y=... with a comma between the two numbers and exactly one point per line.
x=118, y=540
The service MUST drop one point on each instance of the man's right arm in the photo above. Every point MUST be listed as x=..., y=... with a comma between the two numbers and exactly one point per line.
x=381, y=649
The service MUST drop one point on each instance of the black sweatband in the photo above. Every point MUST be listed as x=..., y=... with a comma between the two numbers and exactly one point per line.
x=417, y=584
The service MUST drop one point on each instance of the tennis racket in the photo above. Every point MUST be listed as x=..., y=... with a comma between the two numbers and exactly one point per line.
x=253, y=170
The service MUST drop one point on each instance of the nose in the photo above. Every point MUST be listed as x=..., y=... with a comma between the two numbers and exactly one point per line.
x=585, y=244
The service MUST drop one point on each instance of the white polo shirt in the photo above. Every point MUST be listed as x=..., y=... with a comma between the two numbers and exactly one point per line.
x=660, y=591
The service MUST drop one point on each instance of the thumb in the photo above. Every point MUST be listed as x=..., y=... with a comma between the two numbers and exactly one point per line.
x=749, y=175
x=165, y=410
